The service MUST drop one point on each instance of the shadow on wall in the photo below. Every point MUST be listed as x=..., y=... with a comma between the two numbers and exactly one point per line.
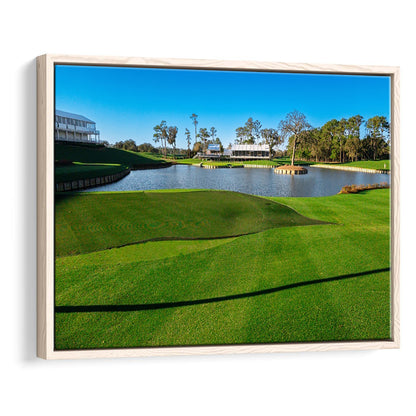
x=27, y=188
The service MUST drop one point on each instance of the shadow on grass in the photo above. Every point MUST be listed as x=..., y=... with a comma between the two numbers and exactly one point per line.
x=165, y=305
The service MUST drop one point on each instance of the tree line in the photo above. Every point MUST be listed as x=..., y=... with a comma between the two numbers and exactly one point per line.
x=341, y=141
x=133, y=147
x=336, y=141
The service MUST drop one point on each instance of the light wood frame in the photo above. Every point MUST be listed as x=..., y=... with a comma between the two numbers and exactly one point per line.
x=45, y=203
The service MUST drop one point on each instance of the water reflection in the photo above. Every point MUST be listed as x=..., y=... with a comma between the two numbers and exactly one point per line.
x=318, y=182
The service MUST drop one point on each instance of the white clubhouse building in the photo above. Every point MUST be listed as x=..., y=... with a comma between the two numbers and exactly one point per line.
x=237, y=152
x=71, y=127
x=249, y=151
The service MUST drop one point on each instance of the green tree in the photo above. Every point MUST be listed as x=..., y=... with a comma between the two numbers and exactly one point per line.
x=353, y=147
x=331, y=134
x=203, y=135
x=378, y=134
x=146, y=147
x=319, y=147
x=353, y=126
x=249, y=133
x=197, y=147
x=352, y=132
x=272, y=138
x=172, y=133
x=161, y=135
x=292, y=127
x=126, y=145
x=342, y=137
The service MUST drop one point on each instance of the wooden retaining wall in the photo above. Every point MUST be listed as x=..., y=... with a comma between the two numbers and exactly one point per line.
x=220, y=166
x=79, y=184
x=290, y=172
x=260, y=166
x=351, y=168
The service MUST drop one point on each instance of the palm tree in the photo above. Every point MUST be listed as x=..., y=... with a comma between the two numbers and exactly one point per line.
x=213, y=132
x=195, y=123
x=188, y=141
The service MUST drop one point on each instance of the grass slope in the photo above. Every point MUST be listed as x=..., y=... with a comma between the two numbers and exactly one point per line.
x=294, y=284
x=85, y=171
x=101, y=154
x=90, y=221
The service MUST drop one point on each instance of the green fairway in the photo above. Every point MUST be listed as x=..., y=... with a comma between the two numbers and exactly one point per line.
x=99, y=154
x=96, y=221
x=326, y=282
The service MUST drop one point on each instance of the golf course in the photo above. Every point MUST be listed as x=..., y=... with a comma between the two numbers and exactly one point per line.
x=268, y=224
x=203, y=267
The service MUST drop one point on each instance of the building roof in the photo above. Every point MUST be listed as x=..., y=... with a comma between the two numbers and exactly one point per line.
x=215, y=147
x=251, y=147
x=72, y=115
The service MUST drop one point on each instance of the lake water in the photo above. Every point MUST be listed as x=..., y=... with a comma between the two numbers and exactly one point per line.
x=318, y=182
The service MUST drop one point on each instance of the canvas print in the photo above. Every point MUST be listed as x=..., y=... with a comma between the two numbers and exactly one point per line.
x=202, y=207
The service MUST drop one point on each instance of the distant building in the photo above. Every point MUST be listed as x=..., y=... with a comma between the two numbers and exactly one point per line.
x=71, y=127
x=214, y=151
x=250, y=151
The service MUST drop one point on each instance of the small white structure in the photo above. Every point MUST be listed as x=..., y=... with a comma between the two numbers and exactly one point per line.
x=71, y=127
x=250, y=151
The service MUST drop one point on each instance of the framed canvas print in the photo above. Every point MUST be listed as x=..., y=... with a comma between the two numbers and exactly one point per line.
x=200, y=207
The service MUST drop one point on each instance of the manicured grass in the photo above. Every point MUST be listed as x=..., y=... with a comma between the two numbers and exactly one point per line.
x=273, y=162
x=85, y=171
x=221, y=163
x=188, y=161
x=101, y=154
x=369, y=164
x=90, y=221
x=288, y=161
x=263, y=162
x=327, y=282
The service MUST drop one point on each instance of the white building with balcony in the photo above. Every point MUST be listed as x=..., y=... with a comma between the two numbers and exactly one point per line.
x=71, y=127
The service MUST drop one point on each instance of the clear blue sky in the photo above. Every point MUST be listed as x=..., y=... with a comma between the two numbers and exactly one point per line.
x=126, y=103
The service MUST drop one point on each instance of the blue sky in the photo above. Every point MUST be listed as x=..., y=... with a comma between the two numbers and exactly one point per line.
x=126, y=103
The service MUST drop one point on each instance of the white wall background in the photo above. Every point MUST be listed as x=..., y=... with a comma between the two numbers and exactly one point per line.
x=353, y=32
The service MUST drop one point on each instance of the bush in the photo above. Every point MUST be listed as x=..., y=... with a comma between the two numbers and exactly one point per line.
x=353, y=189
